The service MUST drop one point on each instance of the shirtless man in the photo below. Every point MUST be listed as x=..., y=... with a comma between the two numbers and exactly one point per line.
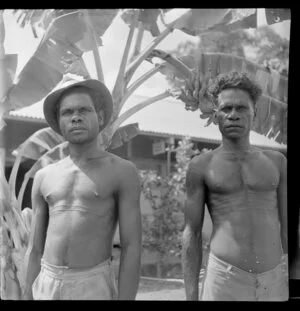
x=244, y=189
x=77, y=203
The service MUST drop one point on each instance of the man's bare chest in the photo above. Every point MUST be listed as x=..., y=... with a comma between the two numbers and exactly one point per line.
x=76, y=184
x=229, y=174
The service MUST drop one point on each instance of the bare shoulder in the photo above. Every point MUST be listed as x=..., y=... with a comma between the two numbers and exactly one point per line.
x=44, y=171
x=198, y=166
x=41, y=173
x=200, y=162
x=125, y=169
x=121, y=163
x=276, y=157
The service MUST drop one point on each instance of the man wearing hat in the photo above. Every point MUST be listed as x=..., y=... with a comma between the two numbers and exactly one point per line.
x=77, y=203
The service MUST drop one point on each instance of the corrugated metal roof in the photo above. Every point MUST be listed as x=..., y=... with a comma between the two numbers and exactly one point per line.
x=165, y=117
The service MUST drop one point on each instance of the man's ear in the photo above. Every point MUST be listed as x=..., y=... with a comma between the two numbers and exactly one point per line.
x=254, y=117
x=101, y=117
x=254, y=112
x=215, y=116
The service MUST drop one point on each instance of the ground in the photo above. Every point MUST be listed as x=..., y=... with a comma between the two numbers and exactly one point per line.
x=158, y=289
x=172, y=289
x=174, y=294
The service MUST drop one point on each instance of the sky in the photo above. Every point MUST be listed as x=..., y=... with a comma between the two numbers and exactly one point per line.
x=22, y=42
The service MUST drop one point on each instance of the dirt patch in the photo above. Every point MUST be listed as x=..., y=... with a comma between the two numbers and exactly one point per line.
x=149, y=285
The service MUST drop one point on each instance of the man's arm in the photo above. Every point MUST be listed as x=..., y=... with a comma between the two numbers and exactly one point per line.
x=282, y=203
x=130, y=232
x=192, y=234
x=37, y=237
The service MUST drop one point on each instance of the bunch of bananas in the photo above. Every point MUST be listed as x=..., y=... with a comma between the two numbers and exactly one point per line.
x=195, y=94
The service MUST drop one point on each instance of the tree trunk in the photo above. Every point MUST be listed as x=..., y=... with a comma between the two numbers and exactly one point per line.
x=160, y=254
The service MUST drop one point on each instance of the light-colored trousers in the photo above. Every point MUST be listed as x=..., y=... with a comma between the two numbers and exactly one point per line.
x=63, y=283
x=225, y=282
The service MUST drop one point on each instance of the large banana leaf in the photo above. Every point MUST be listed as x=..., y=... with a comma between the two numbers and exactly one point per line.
x=8, y=67
x=124, y=134
x=13, y=244
x=72, y=27
x=39, y=143
x=148, y=17
x=198, y=21
x=33, y=148
x=59, y=52
x=34, y=18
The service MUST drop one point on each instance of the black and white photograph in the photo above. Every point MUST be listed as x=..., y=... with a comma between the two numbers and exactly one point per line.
x=144, y=155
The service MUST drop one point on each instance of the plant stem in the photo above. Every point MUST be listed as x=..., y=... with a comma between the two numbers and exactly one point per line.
x=134, y=65
x=138, y=107
x=120, y=78
x=95, y=48
x=137, y=83
x=13, y=175
x=2, y=35
x=2, y=54
x=22, y=191
x=138, y=42
x=175, y=62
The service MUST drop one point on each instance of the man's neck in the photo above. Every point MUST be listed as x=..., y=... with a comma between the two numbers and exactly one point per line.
x=237, y=146
x=84, y=152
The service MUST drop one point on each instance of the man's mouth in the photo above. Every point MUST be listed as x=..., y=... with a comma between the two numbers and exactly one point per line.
x=75, y=129
x=233, y=126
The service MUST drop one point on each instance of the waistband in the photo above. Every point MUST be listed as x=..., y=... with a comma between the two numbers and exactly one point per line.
x=228, y=266
x=64, y=272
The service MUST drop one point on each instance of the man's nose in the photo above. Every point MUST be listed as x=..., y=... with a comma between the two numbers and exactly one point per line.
x=233, y=115
x=76, y=117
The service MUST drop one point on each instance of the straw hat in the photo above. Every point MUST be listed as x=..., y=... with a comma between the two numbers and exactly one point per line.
x=95, y=85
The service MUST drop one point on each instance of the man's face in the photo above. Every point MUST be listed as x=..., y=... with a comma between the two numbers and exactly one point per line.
x=235, y=113
x=78, y=120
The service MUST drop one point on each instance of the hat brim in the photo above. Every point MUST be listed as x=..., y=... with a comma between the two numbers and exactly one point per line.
x=95, y=85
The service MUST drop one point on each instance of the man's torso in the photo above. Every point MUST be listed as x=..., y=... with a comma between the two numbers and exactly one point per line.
x=242, y=201
x=82, y=211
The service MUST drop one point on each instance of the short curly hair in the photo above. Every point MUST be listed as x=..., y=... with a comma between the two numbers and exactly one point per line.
x=236, y=80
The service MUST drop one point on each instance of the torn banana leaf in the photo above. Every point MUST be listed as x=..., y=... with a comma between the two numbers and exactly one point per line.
x=59, y=52
x=147, y=16
x=13, y=244
x=38, y=143
x=197, y=21
x=124, y=134
x=33, y=148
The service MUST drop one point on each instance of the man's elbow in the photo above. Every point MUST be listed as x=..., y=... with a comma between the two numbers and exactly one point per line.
x=132, y=247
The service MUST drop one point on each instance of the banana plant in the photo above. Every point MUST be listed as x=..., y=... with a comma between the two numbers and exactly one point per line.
x=271, y=108
x=67, y=34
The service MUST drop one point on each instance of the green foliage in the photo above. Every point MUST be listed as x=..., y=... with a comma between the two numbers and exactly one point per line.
x=261, y=52
x=266, y=46
x=270, y=49
x=162, y=230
